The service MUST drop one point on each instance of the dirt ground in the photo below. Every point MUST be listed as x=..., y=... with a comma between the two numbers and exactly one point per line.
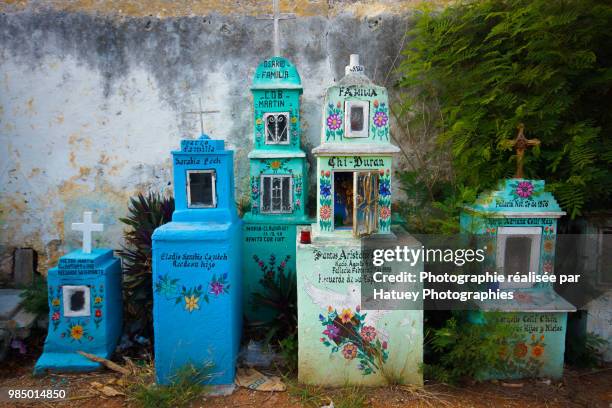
x=584, y=388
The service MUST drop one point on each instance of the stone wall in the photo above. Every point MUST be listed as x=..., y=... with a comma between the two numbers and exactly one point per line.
x=93, y=96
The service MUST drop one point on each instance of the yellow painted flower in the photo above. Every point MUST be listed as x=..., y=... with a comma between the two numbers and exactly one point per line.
x=294, y=120
x=275, y=164
x=191, y=303
x=98, y=299
x=76, y=332
x=548, y=245
x=55, y=302
x=346, y=316
x=258, y=121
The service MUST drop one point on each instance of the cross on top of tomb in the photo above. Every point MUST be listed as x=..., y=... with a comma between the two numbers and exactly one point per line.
x=276, y=17
x=87, y=227
x=520, y=144
x=201, y=113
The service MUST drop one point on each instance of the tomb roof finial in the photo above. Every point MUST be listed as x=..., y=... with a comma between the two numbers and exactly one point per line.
x=520, y=144
x=276, y=17
x=202, y=113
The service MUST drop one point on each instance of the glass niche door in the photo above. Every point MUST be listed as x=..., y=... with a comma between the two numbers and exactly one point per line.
x=365, y=203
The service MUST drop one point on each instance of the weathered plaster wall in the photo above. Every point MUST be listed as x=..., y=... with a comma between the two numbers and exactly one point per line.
x=93, y=95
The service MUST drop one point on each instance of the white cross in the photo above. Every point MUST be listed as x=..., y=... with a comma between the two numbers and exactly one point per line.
x=201, y=113
x=87, y=227
x=276, y=17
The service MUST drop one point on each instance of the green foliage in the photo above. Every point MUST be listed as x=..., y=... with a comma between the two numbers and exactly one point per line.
x=279, y=295
x=585, y=351
x=184, y=388
x=477, y=69
x=289, y=352
x=146, y=213
x=35, y=297
x=466, y=350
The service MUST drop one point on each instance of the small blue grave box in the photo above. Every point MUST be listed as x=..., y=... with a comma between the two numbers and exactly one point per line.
x=196, y=258
x=85, y=307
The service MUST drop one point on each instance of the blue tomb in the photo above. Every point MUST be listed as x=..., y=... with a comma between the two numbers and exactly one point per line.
x=85, y=307
x=197, y=314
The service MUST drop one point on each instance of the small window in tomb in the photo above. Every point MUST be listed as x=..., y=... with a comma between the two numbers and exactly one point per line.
x=276, y=194
x=76, y=301
x=277, y=127
x=201, y=189
x=356, y=118
x=356, y=201
x=605, y=257
x=518, y=250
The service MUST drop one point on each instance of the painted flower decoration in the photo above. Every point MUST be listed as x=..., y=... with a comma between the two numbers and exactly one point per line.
x=293, y=119
x=384, y=189
x=55, y=316
x=76, y=332
x=325, y=212
x=547, y=267
x=55, y=302
x=346, y=315
x=98, y=299
x=283, y=264
x=349, y=351
x=334, y=121
x=375, y=103
x=98, y=313
x=537, y=350
x=325, y=190
x=524, y=189
x=276, y=164
x=216, y=288
x=520, y=350
x=380, y=119
x=258, y=121
x=385, y=212
x=332, y=331
x=548, y=245
x=368, y=333
x=523, y=297
x=191, y=303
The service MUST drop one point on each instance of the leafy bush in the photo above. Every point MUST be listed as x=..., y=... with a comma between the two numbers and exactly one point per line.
x=289, y=352
x=466, y=350
x=35, y=297
x=279, y=296
x=585, y=351
x=475, y=70
x=146, y=213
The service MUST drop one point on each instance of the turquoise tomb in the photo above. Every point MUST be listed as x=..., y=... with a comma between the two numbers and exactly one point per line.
x=197, y=314
x=85, y=306
x=278, y=182
x=517, y=224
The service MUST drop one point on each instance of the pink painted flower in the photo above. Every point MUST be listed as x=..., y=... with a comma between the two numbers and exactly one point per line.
x=283, y=264
x=325, y=212
x=349, y=351
x=334, y=121
x=524, y=189
x=384, y=345
x=260, y=263
x=332, y=332
x=385, y=212
x=380, y=119
x=98, y=313
x=547, y=267
x=55, y=316
x=368, y=333
x=216, y=288
x=327, y=173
